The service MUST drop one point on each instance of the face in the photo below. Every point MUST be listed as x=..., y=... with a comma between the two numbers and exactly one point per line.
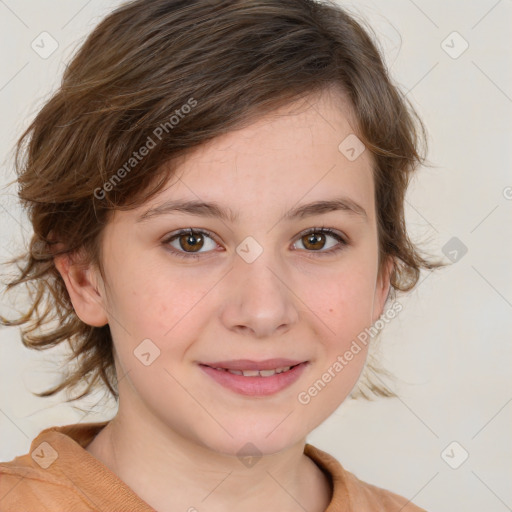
x=269, y=281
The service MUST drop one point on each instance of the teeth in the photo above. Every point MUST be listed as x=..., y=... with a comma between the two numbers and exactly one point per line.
x=267, y=373
x=250, y=373
x=257, y=373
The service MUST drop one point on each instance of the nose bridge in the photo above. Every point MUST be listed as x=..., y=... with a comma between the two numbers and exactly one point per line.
x=260, y=299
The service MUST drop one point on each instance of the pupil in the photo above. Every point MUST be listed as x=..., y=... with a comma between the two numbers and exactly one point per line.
x=315, y=238
x=192, y=241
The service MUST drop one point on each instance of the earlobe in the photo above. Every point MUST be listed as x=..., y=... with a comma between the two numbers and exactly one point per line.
x=382, y=289
x=83, y=288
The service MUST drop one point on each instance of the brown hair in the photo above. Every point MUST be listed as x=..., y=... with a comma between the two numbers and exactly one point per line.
x=184, y=72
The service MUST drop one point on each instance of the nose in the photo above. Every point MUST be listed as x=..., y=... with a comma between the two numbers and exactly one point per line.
x=260, y=298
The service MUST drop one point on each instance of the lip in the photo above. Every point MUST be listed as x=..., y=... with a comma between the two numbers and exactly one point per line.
x=256, y=386
x=249, y=364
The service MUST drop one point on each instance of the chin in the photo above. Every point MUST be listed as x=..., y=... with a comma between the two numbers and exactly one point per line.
x=254, y=441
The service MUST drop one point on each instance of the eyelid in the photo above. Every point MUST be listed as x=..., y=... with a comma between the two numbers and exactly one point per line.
x=343, y=240
x=323, y=229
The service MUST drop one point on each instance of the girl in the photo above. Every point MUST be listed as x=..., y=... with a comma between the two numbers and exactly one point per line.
x=217, y=196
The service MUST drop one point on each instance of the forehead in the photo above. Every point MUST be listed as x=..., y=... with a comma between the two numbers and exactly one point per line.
x=294, y=155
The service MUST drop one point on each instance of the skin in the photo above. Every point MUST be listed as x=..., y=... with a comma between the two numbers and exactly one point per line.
x=177, y=432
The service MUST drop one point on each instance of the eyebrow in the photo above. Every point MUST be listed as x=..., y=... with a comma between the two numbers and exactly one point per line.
x=213, y=209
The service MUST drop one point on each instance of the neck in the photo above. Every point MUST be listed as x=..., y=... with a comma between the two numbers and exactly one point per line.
x=169, y=472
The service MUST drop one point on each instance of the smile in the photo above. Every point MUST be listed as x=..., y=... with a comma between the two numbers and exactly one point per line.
x=255, y=381
x=257, y=373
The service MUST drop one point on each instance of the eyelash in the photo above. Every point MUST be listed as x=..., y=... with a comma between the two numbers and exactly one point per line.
x=323, y=230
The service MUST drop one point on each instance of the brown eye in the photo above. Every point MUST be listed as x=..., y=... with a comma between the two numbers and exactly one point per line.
x=314, y=241
x=191, y=242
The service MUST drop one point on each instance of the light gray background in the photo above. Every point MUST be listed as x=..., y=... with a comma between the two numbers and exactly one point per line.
x=449, y=348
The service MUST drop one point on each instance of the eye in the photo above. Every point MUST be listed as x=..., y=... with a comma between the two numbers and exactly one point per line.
x=189, y=241
x=316, y=239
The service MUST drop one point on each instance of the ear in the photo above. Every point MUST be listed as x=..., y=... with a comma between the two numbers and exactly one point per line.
x=382, y=289
x=83, y=284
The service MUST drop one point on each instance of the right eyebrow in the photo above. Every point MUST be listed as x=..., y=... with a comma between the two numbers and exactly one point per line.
x=214, y=210
x=199, y=208
x=325, y=206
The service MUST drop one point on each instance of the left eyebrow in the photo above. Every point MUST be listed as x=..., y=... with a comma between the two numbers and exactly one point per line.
x=212, y=209
x=199, y=208
x=320, y=207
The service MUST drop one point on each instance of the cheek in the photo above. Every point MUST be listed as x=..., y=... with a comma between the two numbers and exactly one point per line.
x=342, y=300
x=165, y=305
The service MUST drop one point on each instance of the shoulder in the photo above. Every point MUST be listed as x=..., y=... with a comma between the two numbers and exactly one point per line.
x=376, y=498
x=362, y=496
x=23, y=487
x=50, y=474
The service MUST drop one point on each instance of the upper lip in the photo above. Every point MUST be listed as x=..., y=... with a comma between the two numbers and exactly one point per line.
x=248, y=364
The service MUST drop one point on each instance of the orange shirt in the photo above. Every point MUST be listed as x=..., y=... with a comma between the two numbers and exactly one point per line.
x=59, y=475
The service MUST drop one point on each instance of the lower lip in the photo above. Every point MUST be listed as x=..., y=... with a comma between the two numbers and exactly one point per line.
x=255, y=386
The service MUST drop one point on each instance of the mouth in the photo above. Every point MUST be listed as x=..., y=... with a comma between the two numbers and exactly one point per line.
x=257, y=373
x=249, y=364
x=255, y=378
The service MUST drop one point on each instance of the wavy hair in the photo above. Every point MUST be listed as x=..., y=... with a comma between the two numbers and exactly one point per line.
x=142, y=64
